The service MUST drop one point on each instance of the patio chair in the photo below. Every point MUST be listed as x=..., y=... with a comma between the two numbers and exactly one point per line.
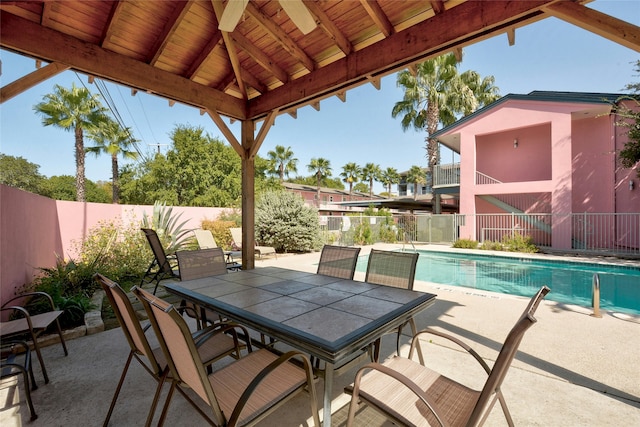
x=236, y=236
x=17, y=321
x=10, y=366
x=213, y=343
x=409, y=393
x=195, y=265
x=162, y=267
x=241, y=393
x=397, y=269
x=206, y=241
x=338, y=261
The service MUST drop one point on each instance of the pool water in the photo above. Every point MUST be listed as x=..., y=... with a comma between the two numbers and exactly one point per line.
x=570, y=282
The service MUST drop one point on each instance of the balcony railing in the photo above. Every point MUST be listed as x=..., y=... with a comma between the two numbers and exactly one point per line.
x=446, y=175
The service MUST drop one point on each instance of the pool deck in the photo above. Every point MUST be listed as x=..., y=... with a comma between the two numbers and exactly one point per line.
x=572, y=369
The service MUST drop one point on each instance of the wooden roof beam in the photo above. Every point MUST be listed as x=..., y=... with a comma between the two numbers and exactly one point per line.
x=30, y=80
x=377, y=14
x=280, y=36
x=611, y=28
x=437, y=6
x=263, y=60
x=329, y=28
x=231, y=49
x=471, y=21
x=114, y=13
x=181, y=9
x=43, y=43
x=197, y=63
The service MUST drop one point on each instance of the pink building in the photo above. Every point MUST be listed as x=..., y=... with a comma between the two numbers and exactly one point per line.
x=546, y=157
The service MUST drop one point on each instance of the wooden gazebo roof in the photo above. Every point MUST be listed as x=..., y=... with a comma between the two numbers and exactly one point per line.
x=173, y=47
x=266, y=66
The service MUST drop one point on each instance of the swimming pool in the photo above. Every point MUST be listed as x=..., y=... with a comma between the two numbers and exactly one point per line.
x=570, y=282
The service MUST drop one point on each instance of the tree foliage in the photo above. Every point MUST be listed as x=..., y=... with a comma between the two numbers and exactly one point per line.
x=198, y=170
x=629, y=113
x=282, y=162
x=20, y=173
x=74, y=110
x=371, y=172
x=350, y=174
x=284, y=221
x=63, y=187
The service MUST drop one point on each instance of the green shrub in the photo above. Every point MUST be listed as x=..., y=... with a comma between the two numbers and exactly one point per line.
x=519, y=243
x=489, y=245
x=465, y=244
x=70, y=285
x=171, y=233
x=285, y=222
x=119, y=252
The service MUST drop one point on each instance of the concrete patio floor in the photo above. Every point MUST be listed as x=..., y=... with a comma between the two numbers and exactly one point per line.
x=572, y=369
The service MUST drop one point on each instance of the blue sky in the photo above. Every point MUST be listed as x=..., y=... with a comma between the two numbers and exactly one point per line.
x=549, y=55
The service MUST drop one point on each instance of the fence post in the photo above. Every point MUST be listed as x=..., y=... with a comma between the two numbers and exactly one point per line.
x=595, y=296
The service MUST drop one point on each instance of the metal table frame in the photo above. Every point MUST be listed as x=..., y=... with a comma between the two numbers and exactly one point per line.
x=227, y=295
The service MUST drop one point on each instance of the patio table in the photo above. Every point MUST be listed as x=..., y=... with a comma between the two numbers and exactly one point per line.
x=326, y=317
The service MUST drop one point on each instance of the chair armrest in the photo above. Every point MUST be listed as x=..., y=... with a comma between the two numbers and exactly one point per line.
x=25, y=315
x=269, y=369
x=402, y=379
x=453, y=339
x=199, y=337
x=31, y=296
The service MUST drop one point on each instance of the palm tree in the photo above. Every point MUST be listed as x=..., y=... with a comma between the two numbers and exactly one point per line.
x=437, y=94
x=350, y=173
x=282, y=162
x=114, y=140
x=390, y=176
x=417, y=176
x=75, y=109
x=321, y=169
x=371, y=172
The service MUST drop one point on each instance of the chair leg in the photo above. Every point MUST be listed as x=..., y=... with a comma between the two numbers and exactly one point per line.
x=165, y=408
x=40, y=358
x=156, y=397
x=117, y=392
x=64, y=344
x=27, y=392
x=414, y=331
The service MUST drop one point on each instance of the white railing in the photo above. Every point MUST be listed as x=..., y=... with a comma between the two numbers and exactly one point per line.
x=482, y=179
x=446, y=175
x=593, y=233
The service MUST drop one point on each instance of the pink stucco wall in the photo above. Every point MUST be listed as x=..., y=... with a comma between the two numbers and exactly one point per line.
x=565, y=150
x=34, y=229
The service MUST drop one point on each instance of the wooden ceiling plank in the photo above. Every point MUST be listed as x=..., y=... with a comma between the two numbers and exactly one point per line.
x=280, y=36
x=231, y=49
x=174, y=21
x=24, y=36
x=378, y=16
x=436, y=35
x=611, y=28
x=329, y=28
x=259, y=56
x=30, y=80
x=198, y=63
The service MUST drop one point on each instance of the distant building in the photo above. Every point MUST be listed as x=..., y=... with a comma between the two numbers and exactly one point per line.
x=329, y=198
x=544, y=153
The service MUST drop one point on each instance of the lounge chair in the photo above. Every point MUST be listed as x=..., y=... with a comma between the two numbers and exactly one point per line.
x=162, y=267
x=213, y=344
x=241, y=393
x=409, y=393
x=206, y=241
x=396, y=269
x=338, y=261
x=236, y=235
x=21, y=323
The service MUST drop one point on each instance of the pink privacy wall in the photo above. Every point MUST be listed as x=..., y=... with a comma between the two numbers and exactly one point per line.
x=34, y=229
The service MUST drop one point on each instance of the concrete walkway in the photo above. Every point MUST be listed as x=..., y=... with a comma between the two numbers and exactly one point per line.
x=572, y=369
